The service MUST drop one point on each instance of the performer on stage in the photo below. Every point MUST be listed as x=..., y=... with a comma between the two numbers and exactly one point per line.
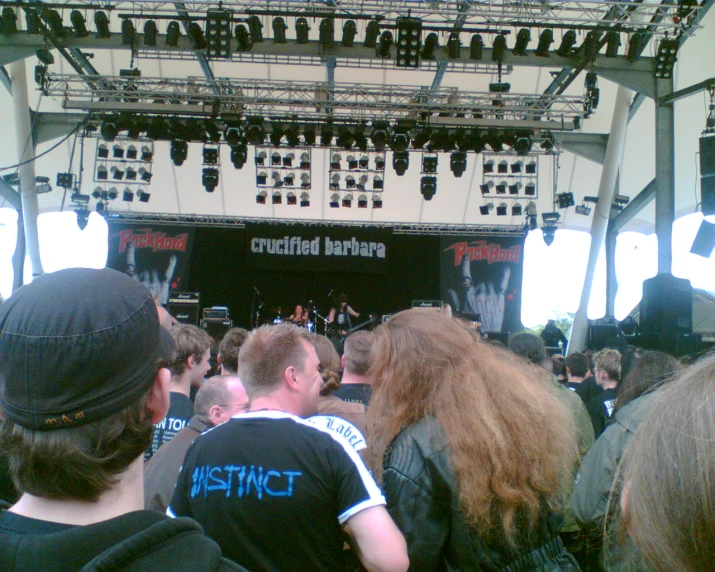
x=339, y=319
x=299, y=316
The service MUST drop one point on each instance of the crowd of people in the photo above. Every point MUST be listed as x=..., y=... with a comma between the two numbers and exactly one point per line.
x=418, y=446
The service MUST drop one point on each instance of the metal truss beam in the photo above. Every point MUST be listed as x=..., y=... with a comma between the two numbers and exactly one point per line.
x=11, y=196
x=591, y=146
x=706, y=85
x=637, y=204
x=200, y=56
x=5, y=79
x=49, y=126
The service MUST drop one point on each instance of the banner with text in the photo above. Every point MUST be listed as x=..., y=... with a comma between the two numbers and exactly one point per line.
x=326, y=249
x=481, y=276
x=156, y=255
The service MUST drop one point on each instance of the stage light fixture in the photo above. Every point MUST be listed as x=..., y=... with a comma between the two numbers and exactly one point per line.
x=305, y=160
x=501, y=209
x=549, y=231
x=400, y=140
x=255, y=28
x=531, y=168
x=666, y=58
x=583, y=210
x=145, y=175
x=289, y=179
x=102, y=173
x=309, y=136
x=362, y=182
x=348, y=200
x=363, y=162
x=157, y=128
x=209, y=179
x=499, y=48
x=288, y=160
x=476, y=47
x=127, y=195
x=458, y=163
x=400, y=162
x=304, y=181
x=291, y=199
x=260, y=158
x=118, y=152
x=346, y=139
x=54, y=21
x=431, y=45
x=218, y=34
x=503, y=167
x=383, y=49
x=101, y=23
x=279, y=30
x=613, y=42
x=377, y=183
x=523, y=143
x=484, y=210
x=239, y=155
x=150, y=33
x=275, y=158
x=428, y=187
x=64, y=180
x=372, y=31
x=243, y=39
x=108, y=129
x=516, y=166
x=8, y=22
x=97, y=192
x=488, y=166
x=276, y=136
x=429, y=164
x=210, y=155
x=255, y=134
x=117, y=173
x=530, y=190
x=334, y=201
x=128, y=32
x=409, y=33
x=362, y=201
x=78, y=23
x=232, y=136
x=514, y=188
x=82, y=217
x=334, y=181
x=486, y=187
x=636, y=46
x=377, y=200
x=621, y=199
x=102, y=151
x=495, y=140
x=379, y=135
x=173, y=33
x=292, y=135
x=352, y=162
x=523, y=38
x=326, y=32
x=550, y=218
x=261, y=197
x=360, y=139
x=326, y=134
x=501, y=187
x=421, y=138
x=131, y=173
x=262, y=178
x=277, y=179
x=590, y=46
x=302, y=30
x=516, y=209
x=112, y=194
x=379, y=163
x=567, y=43
x=349, y=31
x=32, y=19
x=304, y=199
x=335, y=161
x=546, y=38
x=565, y=200
x=454, y=46
x=179, y=151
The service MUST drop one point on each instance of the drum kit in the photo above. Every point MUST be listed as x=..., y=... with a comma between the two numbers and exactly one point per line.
x=311, y=324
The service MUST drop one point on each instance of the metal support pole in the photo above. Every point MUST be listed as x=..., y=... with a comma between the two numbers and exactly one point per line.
x=614, y=152
x=611, y=281
x=26, y=158
x=664, y=176
x=18, y=257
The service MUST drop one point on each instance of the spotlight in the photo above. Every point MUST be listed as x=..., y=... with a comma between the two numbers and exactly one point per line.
x=372, y=31
x=362, y=201
x=429, y=164
x=326, y=32
x=486, y=187
x=523, y=144
x=501, y=209
x=102, y=173
x=173, y=33
x=613, y=42
x=377, y=183
x=128, y=32
x=377, y=201
x=143, y=196
x=101, y=22
x=277, y=179
x=546, y=38
x=309, y=136
x=383, y=49
x=516, y=167
x=362, y=182
x=292, y=136
x=352, y=162
x=54, y=21
x=350, y=182
x=78, y=23
x=8, y=22
x=590, y=46
x=97, y=193
x=239, y=155
x=127, y=195
x=335, y=181
x=118, y=152
x=326, y=135
x=291, y=199
x=218, y=34
x=548, y=143
x=502, y=167
x=567, y=42
x=117, y=173
x=548, y=231
x=255, y=134
x=210, y=155
x=704, y=242
x=530, y=190
x=666, y=58
x=301, y=31
x=499, y=48
x=621, y=200
x=262, y=178
x=108, y=130
x=531, y=168
x=179, y=151
x=255, y=28
x=488, y=166
x=400, y=162
x=458, y=163
x=261, y=197
x=334, y=201
x=260, y=158
x=531, y=221
x=514, y=188
x=360, y=139
x=364, y=162
x=431, y=45
x=484, y=210
x=288, y=159
x=379, y=135
x=279, y=31
x=409, y=32
x=349, y=31
x=145, y=174
x=275, y=158
x=428, y=187
x=348, y=200
x=289, y=179
x=102, y=151
x=304, y=199
x=209, y=179
x=112, y=194
x=565, y=200
x=335, y=162
x=583, y=210
x=305, y=160
x=454, y=46
x=400, y=140
x=65, y=180
x=522, y=42
x=82, y=217
x=243, y=39
x=304, y=181
x=32, y=18
x=636, y=46
x=45, y=56
x=379, y=163
x=501, y=188
x=476, y=47
x=516, y=209
x=150, y=33
x=276, y=136
x=345, y=138
x=550, y=218
x=131, y=174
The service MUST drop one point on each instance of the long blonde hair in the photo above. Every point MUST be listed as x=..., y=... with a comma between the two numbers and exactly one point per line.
x=511, y=441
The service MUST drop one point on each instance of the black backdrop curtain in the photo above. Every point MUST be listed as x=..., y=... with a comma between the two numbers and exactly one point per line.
x=219, y=271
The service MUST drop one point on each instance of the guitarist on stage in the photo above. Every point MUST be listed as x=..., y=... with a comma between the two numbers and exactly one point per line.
x=340, y=318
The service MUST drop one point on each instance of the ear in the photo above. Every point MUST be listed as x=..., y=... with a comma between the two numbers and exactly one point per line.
x=342, y=361
x=158, y=400
x=191, y=361
x=215, y=415
x=290, y=378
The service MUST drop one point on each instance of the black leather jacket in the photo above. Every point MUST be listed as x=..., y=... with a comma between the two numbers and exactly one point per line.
x=419, y=484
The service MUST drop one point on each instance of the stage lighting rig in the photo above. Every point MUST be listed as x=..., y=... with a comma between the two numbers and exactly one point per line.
x=383, y=48
x=379, y=135
x=409, y=33
x=173, y=33
x=454, y=46
x=476, y=47
x=255, y=28
x=129, y=33
x=583, y=210
x=522, y=42
x=499, y=48
x=549, y=230
x=458, y=163
x=372, y=32
x=218, y=33
x=210, y=155
x=666, y=58
x=279, y=30
x=565, y=200
x=302, y=30
x=431, y=45
x=428, y=187
x=567, y=43
x=638, y=42
x=326, y=32
x=400, y=162
x=179, y=151
x=613, y=42
x=429, y=164
x=546, y=38
x=400, y=140
x=349, y=32
x=255, y=133
x=523, y=143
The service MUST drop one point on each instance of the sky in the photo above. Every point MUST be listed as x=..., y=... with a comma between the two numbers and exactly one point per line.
x=553, y=275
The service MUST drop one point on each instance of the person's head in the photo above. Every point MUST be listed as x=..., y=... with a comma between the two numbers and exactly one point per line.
x=281, y=359
x=650, y=371
x=229, y=348
x=329, y=363
x=357, y=352
x=80, y=381
x=342, y=299
x=607, y=366
x=577, y=363
x=193, y=352
x=298, y=312
x=220, y=397
x=669, y=470
x=498, y=413
x=528, y=346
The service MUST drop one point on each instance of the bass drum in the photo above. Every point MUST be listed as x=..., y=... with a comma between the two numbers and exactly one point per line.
x=278, y=320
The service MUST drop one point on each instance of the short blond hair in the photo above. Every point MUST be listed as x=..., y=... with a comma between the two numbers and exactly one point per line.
x=609, y=360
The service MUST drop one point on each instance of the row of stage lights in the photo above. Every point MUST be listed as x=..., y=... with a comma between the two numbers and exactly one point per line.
x=217, y=39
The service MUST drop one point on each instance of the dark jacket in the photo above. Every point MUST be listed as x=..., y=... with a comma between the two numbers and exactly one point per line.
x=136, y=541
x=162, y=470
x=419, y=485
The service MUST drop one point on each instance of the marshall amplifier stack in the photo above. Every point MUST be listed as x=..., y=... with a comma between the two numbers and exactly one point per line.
x=216, y=321
x=184, y=306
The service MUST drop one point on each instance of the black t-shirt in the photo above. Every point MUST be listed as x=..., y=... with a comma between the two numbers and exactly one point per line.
x=587, y=389
x=354, y=392
x=274, y=491
x=181, y=410
x=600, y=408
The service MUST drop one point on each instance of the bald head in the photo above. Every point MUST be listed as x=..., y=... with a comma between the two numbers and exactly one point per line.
x=220, y=398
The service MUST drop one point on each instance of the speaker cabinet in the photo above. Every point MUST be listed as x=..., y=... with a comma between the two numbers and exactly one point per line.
x=666, y=311
x=216, y=328
x=184, y=306
x=707, y=174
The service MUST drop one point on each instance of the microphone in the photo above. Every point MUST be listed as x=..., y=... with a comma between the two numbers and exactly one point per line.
x=330, y=293
x=256, y=290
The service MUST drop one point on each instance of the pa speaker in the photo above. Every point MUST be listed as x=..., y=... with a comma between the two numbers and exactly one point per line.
x=707, y=175
x=216, y=328
x=666, y=311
